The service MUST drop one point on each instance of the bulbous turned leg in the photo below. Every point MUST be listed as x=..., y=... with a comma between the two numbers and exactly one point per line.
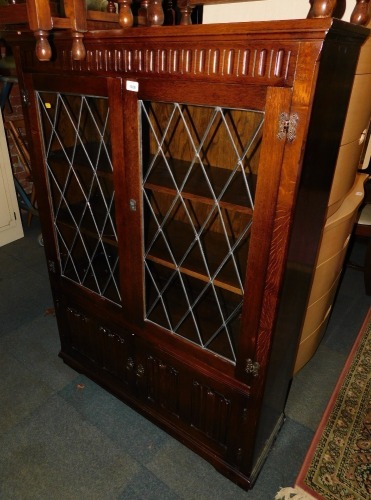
x=155, y=12
x=78, y=48
x=43, y=49
x=111, y=7
x=361, y=13
x=126, y=18
x=185, y=12
x=321, y=8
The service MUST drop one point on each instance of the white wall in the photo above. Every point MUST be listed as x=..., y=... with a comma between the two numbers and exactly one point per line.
x=261, y=10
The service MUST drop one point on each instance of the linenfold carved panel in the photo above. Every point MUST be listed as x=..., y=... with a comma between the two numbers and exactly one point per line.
x=101, y=345
x=254, y=62
x=271, y=64
x=163, y=384
x=210, y=412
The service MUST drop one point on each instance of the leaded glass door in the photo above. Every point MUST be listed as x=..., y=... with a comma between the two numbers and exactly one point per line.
x=199, y=171
x=76, y=137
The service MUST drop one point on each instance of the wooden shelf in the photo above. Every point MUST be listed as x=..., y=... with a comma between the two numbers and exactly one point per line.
x=102, y=275
x=57, y=160
x=180, y=235
x=205, y=312
x=196, y=187
x=104, y=238
x=87, y=227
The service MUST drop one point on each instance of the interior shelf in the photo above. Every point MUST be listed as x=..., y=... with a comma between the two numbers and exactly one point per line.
x=198, y=182
x=94, y=222
x=63, y=159
x=99, y=277
x=109, y=240
x=180, y=236
x=190, y=310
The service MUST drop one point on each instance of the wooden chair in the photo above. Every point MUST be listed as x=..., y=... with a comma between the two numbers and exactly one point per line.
x=39, y=17
x=327, y=8
x=12, y=124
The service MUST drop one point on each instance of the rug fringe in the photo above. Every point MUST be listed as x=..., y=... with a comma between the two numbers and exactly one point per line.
x=291, y=494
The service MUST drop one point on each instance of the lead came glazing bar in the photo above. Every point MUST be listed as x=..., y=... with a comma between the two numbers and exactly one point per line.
x=188, y=195
x=80, y=174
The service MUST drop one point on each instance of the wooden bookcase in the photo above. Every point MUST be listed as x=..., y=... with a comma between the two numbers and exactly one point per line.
x=183, y=176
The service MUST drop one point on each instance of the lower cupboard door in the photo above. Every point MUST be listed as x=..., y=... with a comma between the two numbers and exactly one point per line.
x=208, y=414
x=108, y=349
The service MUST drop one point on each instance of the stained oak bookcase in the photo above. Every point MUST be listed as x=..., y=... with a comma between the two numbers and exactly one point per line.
x=174, y=168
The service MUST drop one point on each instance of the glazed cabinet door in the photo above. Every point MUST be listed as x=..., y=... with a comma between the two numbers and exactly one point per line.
x=75, y=121
x=204, y=162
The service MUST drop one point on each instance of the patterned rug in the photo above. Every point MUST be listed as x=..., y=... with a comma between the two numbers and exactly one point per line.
x=338, y=463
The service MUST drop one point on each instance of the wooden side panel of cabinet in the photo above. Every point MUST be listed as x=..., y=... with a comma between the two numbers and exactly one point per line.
x=345, y=197
x=325, y=112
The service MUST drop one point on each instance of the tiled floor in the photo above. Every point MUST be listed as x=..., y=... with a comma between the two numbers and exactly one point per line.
x=63, y=437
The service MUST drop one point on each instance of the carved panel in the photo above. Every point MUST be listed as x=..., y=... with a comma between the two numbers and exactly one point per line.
x=210, y=412
x=254, y=62
x=105, y=348
x=82, y=335
x=115, y=353
x=162, y=382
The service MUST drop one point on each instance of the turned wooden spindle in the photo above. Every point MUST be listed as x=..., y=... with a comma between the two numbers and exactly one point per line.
x=322, y=8
x=143, y=13
x=126, y=18
x=43, y=49
x=111, y=7
x=185, y=12
x=361, y=13
x=155, y=13
x=75, y=10
x=169, y=14
x=40, y=22
x=78, y=47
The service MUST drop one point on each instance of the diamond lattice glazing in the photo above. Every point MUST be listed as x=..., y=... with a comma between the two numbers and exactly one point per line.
x=77, y=146
x=199, y=168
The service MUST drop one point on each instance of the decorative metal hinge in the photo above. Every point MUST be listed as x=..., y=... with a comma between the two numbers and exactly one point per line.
x=287, y=126
x=252, y=367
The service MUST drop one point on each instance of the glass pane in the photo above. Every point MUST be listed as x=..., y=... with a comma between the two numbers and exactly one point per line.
x=199, y=166
x=77, y=145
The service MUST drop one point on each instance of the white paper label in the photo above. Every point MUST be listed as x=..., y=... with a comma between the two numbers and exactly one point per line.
x=133, y=86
